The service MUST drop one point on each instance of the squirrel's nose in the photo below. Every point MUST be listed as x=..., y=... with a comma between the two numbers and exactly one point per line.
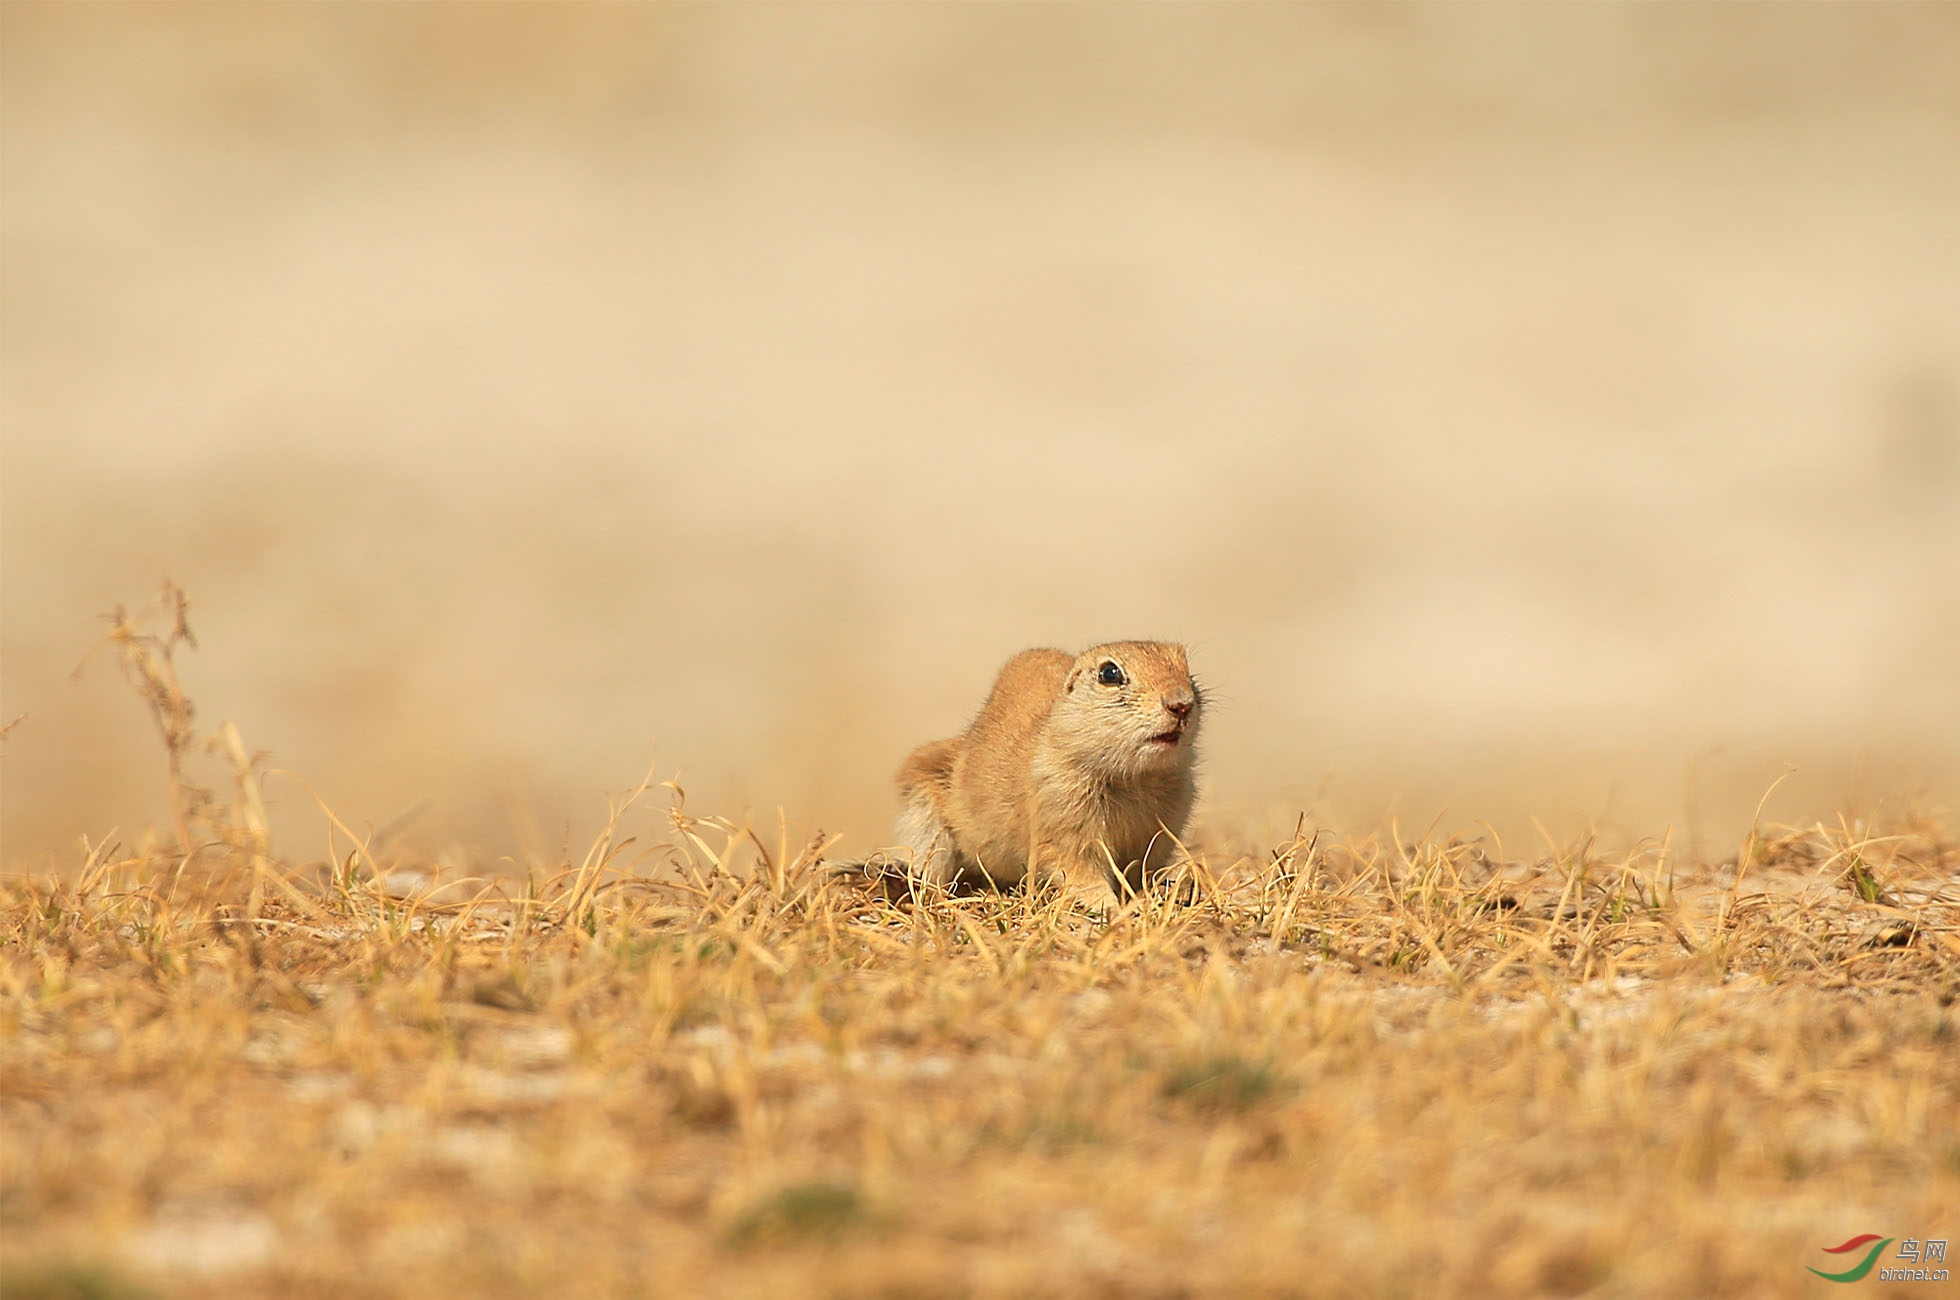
x=1180, y=706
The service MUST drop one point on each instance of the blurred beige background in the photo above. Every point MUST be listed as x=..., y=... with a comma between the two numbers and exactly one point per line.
x=1523, y=411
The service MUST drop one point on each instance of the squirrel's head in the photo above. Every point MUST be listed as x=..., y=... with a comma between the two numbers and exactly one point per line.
x=1132, y=705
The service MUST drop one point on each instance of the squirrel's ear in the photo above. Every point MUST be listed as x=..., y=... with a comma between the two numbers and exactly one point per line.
x=1069, y=686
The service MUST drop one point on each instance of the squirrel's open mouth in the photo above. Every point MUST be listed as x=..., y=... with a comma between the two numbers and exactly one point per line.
x=1167, y=738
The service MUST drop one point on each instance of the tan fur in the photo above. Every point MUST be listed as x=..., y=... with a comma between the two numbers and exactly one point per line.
x=1059, y=775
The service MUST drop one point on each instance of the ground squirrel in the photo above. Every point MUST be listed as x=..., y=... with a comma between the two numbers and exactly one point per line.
x=1079, y=770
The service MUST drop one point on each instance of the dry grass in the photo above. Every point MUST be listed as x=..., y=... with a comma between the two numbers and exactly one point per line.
x=714, y=1066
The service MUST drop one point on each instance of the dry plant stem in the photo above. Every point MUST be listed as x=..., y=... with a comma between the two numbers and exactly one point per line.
x=147, y=661
x=200, y=820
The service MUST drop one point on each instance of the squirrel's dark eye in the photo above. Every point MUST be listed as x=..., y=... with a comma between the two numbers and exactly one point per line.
x=1110, y=675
